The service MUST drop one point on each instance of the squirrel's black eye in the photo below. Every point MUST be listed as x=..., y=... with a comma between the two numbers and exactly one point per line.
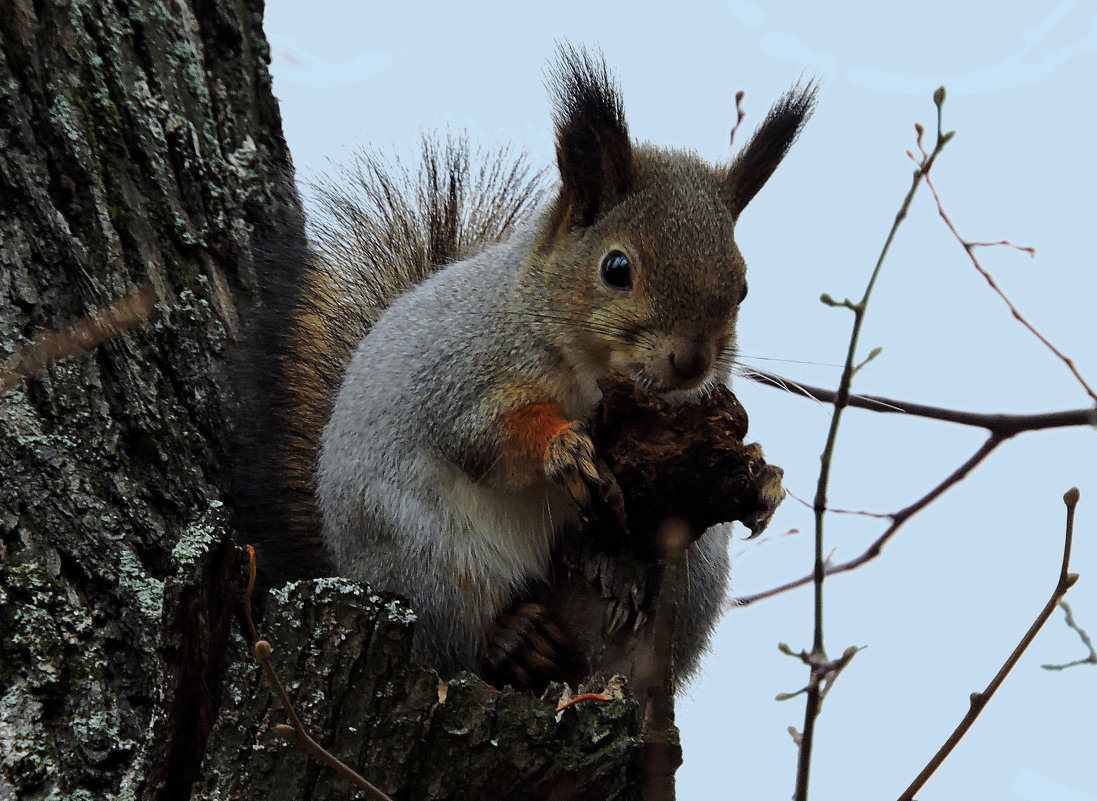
x=617, y=270
x=743, y=294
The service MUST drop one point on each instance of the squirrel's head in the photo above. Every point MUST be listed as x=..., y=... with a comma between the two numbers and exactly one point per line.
x=644, y=236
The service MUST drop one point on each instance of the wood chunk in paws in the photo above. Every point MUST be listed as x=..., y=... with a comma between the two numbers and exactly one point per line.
x=685, y=461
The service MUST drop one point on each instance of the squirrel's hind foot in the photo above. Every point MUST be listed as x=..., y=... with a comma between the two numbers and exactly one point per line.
x=525, y=649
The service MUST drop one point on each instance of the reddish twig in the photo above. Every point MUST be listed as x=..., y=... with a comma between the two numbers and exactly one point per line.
x=581, y=698
x=295, y=733
x=1000, y=426
x=740, y=112
x=1005, y=243
x=979, y=700
x=80, y=337
x=250, y=590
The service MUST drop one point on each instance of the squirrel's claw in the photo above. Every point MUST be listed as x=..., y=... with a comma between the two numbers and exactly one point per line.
x=569, y=462
x=771, y=492
x=525, y=649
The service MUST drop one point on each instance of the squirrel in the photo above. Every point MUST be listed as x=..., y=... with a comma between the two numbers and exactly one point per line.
x=430, y=358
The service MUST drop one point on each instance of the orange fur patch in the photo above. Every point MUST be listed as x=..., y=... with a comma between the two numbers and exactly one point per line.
x=531, y=428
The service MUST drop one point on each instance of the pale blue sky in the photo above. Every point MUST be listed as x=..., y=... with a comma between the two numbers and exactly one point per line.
x=958, y=586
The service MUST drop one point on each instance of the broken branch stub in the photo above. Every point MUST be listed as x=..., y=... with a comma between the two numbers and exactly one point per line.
x=666, y=467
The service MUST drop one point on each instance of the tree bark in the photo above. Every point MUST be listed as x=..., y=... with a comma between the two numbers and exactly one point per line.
x=141, y=148
x=342, y=653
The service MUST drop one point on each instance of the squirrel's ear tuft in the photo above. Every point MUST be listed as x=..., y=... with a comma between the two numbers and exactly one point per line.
x=592, y=144
x=756, y=162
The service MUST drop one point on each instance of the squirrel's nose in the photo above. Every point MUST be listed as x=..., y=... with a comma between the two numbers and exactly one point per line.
x=688, y=363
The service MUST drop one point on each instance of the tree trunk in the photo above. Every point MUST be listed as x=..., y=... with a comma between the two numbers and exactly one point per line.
x=139, y=146
x=141, y=150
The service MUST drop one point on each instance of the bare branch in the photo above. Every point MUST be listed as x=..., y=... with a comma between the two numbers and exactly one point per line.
x=1006, y=424
x=821, y=666
x=898, y=519
x=979, y=700
x=1001, y=426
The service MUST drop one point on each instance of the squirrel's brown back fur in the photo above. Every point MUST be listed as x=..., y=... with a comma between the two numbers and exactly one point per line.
x=380, y=228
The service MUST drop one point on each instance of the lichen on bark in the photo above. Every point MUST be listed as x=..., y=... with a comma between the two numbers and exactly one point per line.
x=139, y=144
x=342, y=652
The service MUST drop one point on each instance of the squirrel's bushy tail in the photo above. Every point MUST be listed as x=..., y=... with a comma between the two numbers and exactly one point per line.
x=379, y=229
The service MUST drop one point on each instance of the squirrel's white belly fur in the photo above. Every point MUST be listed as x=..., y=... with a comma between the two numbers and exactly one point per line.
x=400, y=509
x=500, y=538
x=474, y=547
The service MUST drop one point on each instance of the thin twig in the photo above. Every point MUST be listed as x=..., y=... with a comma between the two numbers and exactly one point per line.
x=979, y=700
x=740, y=112
x=249, y=591
x=821, y=667
x=969, y=248
x=898, y=519
x=1071, y=623
x=830, y=669
x=999, y=423
x=1001, y=427
x=833, y=511
x=759, y=542
x=583, y=697
x=295, y=733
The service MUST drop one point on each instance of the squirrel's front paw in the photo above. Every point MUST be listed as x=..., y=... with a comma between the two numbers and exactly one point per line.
x=771, y=492
x=525, y=649
x=569, y=462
